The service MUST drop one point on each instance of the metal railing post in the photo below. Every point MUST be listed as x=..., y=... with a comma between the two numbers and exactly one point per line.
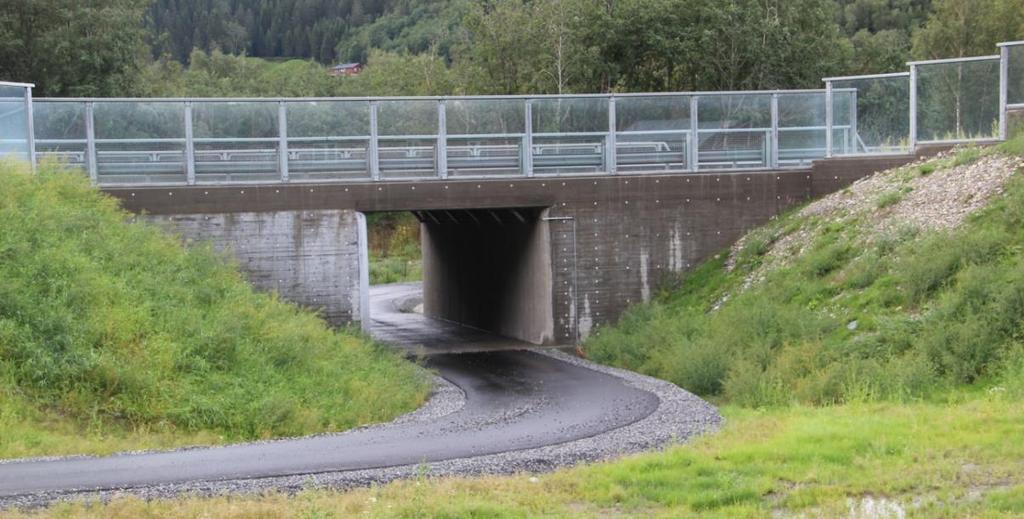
x=282, y=140
x=1004, y=85
x=611, y=155
x=851, y=132
x=190, y=147
x=31, y=129
x=372, y=152
x=90, y=143
x=913, y=108
x=528, y=140
x=829, y=119
x=694, y=150
x=442, y=140
x=773, y=150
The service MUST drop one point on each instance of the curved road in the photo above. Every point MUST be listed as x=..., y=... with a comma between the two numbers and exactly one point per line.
x=514, y=400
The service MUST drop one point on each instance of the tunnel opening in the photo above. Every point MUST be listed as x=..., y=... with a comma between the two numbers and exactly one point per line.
x=489, y=269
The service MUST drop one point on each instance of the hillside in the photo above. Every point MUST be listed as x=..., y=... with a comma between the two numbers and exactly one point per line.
x=113, y=336
x=903, y=286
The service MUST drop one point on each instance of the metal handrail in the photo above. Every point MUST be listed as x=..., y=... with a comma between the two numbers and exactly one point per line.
x=597, y=150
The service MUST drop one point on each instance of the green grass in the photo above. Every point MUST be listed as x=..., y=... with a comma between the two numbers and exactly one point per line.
x=951, y=459
x=114, y=336
x=395, y=255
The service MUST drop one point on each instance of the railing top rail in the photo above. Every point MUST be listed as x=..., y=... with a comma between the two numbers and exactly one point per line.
x=994, y=57
x=16, y=84
x=416, y=98
x=1010, y=43
x=866, y=76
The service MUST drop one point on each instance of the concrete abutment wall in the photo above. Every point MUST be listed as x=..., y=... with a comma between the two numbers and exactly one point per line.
x=313, y=258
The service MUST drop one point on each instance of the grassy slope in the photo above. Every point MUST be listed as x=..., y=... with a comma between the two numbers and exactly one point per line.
x=113, y=336
x=941, y=448
x=857, y=315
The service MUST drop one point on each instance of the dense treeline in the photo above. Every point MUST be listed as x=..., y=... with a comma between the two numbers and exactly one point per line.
x=266, y=28
x=196, y=47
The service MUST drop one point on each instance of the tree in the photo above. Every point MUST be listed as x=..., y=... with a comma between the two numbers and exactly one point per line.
x=71, y=47
x=969, y=28
x=657, y=45
x=960, y=100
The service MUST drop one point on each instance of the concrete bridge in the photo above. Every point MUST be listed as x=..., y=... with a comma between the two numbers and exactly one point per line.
x=543, y=260
x=542, y=216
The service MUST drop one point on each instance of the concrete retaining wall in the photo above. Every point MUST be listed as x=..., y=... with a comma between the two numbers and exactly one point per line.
x=308, y=257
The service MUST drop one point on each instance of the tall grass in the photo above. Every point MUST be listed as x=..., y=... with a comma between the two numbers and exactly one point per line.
x=904, y=317
x=114, y=326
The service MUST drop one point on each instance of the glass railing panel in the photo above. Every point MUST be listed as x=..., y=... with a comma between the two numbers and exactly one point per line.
x=735, y=131
x=328, y=140
x=407, y=158
x=407, y=146
x=1015, y=75
x=802, y=130
x=60, y=132
x=570, y=135
x=139, y=142
x=485, y=137
x=958, y=100
x=14, y=140
x=235, y=141
x=872, y=115
x=652, y=133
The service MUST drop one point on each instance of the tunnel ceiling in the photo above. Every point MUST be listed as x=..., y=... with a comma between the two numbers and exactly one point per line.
x=479, y=217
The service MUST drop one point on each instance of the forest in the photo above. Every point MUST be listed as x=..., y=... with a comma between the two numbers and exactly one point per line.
x=283, y=47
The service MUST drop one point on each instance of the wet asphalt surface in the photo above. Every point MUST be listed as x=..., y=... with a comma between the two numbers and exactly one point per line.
x=514, y=400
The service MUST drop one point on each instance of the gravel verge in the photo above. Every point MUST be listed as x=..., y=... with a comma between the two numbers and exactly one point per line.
x=679, y=416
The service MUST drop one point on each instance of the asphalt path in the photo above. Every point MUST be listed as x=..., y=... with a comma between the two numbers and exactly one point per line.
x=515, y=400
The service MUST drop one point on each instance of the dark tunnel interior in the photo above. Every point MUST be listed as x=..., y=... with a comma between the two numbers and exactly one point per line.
x=489, y=269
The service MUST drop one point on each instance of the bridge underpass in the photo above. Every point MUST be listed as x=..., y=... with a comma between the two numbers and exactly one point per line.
x=542, y=216
x=539, y=260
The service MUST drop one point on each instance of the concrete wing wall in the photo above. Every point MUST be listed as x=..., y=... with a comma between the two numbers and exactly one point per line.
x=313, y=258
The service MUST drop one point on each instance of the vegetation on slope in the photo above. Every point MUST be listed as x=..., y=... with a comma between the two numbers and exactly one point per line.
x=867, y=294
x=394, y=248
x=112, y=335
